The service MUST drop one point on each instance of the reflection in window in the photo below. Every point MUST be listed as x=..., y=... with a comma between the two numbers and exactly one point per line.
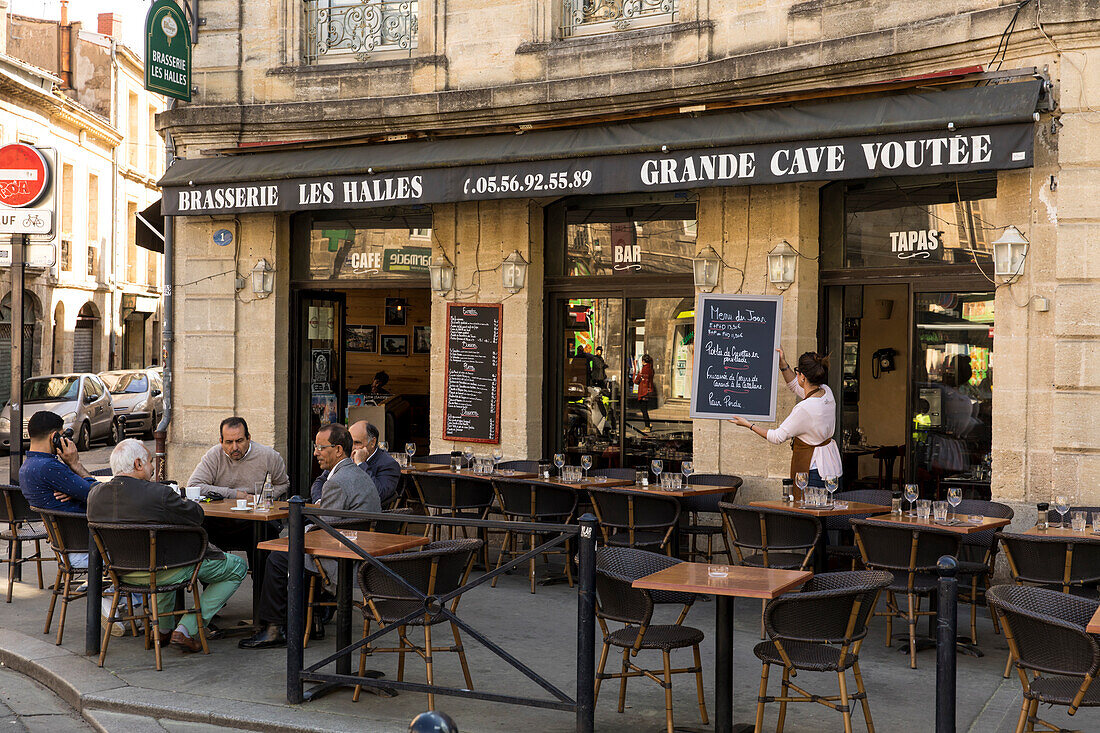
x=595, y=17
x=339, y=252
x=652, y=239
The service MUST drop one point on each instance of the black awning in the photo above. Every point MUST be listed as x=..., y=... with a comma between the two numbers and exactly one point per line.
x=567, y=161
x=149, y=228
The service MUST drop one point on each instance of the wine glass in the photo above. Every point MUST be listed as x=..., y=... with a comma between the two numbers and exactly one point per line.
x=657, y=465
x=410, y=450
x=559, y=461
x=954, y=498
x=468, y=454
x=831, y=484
x=1061, y=505
x=801, y=479
x=586, y=463
x=498, y=456
x=911, y=494
x=687, y=468
x=384, y=446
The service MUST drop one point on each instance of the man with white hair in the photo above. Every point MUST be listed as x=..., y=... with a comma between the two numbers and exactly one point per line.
x=132, y=498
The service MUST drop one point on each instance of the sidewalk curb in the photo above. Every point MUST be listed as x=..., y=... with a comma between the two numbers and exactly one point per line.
x=89, y=690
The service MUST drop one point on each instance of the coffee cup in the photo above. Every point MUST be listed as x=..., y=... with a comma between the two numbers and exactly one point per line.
x=242, y=503
x=193, y=493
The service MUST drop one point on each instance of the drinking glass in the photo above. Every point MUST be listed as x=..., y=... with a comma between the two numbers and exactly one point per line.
x=544, y=469
x=831, y=484
x=924, y=508
x=911, y=493
x=1078, y=520
x=687, y=468
x=586, y=463
x=641, y=477
x=939, y=511
x=559, y=461
x=800, y=480
x=675, y=481
x=384, y=446
x=657, y=465
x=1096, y=522
x=410, y=450
x=468, y=454
x=954, y=498
x=456, y=463
x=498, y=456
x=1061, y=505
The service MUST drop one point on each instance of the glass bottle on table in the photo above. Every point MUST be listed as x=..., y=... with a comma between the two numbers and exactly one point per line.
x=1042, y=518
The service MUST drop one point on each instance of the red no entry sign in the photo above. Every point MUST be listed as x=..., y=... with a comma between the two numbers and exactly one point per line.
x=24, y=175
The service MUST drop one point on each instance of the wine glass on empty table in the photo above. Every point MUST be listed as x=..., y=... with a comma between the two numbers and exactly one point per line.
x=559, y=461
x=801, y=479
x=831, y=483
x=954, y=498
x=586, y=463
x=410, y=451
x=687, y=468
x=911, y=494
x=1061, y=505
x=498, y=456
x=468, y=454
x=657, y=465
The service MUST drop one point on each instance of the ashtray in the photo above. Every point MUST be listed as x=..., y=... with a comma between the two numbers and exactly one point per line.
x=718, y=571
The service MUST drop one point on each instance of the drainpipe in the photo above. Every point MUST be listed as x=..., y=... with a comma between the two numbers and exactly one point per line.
x=112, y=285
x=167, y=322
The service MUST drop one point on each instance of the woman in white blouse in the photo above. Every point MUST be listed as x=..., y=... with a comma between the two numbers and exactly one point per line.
x=811, y=424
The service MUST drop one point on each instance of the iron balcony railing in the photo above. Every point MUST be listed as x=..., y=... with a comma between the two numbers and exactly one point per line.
x=597, y=17
x=359, y=28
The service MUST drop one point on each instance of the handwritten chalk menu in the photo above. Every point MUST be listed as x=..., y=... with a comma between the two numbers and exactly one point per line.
x=472, y=382
x=736, y=365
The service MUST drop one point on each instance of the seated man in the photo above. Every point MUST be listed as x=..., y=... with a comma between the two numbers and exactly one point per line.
x=232, y=470
x=53, y=478
x=379, y=465
x=131, y=497
x=347, y=489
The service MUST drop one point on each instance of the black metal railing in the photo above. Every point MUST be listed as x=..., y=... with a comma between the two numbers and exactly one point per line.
x=298, y=674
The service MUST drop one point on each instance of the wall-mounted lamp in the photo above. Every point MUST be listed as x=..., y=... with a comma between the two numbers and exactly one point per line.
x=442, y=275
x=706, y=266
x=1009, y=252
x=263, y=279
x=781, y=265
x=513, y=272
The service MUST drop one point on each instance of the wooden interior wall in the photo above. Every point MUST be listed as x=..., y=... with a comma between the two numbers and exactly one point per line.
x=408, y=374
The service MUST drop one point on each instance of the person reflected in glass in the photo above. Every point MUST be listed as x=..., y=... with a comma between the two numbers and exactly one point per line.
x=644, y=380
x=812, y=422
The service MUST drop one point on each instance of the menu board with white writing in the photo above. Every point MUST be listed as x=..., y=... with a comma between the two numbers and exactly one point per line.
x=472, y=382
x=736, y=363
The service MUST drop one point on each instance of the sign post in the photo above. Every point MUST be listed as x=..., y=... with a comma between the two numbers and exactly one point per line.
x=168, y=51
x=15, y=440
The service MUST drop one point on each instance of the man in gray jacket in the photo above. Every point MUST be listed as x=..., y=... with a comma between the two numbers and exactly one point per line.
x=348, y=488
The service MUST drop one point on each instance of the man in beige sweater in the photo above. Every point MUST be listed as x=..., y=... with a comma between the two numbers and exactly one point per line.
x=236, y=466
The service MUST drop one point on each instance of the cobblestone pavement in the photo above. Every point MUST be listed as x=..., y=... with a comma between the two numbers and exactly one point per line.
x=27, y=706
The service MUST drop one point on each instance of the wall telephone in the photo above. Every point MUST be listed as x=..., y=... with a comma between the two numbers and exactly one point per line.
x=883, y=361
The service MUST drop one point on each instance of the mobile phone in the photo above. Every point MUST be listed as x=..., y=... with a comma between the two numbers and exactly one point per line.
x=58, y=446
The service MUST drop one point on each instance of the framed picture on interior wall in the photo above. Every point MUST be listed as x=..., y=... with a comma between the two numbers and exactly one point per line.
x=395, y=311
x=395, y=345
x=361, y=338
x=422, y=339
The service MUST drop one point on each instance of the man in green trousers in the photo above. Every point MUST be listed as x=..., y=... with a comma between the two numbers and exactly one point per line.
x=130, y=497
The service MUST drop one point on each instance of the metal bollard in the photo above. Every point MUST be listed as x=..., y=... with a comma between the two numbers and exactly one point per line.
x=586, y=623
x=946, y=634
x=296, y=618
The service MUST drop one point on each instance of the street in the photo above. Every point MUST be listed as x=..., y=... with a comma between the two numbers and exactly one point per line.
x=99, y=456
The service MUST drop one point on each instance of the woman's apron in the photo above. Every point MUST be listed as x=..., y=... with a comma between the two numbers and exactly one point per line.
x=802, y=455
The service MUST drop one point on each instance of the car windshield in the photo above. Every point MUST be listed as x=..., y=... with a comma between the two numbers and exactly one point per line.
x=126, y=383
x=51, y=389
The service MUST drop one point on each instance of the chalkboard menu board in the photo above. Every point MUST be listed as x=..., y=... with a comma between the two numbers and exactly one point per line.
x=736, y=365
x=472, y=383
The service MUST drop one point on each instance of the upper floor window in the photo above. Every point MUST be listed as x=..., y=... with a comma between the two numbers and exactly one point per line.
x=596, y=17
x=337, y=29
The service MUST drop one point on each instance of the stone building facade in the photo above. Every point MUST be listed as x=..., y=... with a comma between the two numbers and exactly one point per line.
x=276, y=76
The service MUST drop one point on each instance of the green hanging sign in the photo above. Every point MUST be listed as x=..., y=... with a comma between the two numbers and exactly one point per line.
x=168, y=51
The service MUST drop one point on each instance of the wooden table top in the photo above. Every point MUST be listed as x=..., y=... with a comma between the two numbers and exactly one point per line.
x=322, y=544
x=467, y=473
x=654, y=489
x=1093, y=626
x=589, y=483
x=425, y=467
x=225, y=509
x=742, y=581
x=1065, y=533
x=966, y=528
x=852, y=507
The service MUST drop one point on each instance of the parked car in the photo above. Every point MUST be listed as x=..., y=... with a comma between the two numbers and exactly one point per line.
x=136, y=394
x=82, y=401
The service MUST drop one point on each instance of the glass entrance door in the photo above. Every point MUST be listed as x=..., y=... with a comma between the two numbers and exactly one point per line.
x=318, y=394
x=625, y=377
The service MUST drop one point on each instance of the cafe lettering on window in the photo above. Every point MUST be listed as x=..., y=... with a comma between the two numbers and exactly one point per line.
x=356, y=254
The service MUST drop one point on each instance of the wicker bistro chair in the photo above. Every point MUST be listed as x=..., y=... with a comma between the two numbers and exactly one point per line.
x=19, y=524
x=1056, y=658
x=67, y=533
x=150, y=548
x=911, y=554
x=616, y=569
x=320, y=579
x=843, y=548
x=441, y=459
x=436, y=570
x=532, y=501
x=615, y=473
x=696, y=505
x=521, y=466
x=977, y=558
x=630, y=519
x=466, y=498
x=820, y=629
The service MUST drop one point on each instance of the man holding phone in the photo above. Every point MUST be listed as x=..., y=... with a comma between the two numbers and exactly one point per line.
x=52, y=476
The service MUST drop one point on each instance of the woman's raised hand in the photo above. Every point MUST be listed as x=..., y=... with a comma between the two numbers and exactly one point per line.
x=782, y=360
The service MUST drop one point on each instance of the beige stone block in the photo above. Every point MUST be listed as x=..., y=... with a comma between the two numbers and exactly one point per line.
x=1077, y=250
x=1076, y=194
x=1008, y=480
x=1074, y=420
x=1077, y=364
x=1078, y=312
